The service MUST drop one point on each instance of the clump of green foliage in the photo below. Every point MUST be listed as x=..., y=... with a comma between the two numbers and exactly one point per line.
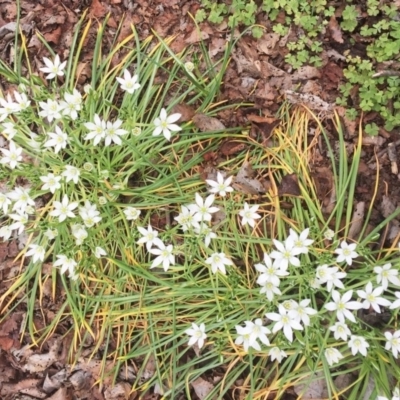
x=380, y=29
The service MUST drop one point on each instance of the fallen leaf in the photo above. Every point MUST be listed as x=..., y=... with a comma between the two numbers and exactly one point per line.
x=97, y=9
x=245, y=183
x=316, y=389
x=230, y=147
x=207, y=124
x=202, y=388
x=187, y=112
x=306, y=72
x=266, y=44
x=39, y=362
x=334, y=29
x=357, y=220
x=309, y=100
x=289, y=186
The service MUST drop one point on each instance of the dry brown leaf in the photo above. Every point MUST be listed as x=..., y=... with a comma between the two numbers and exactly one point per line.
x=207, y=124
x=266, y=44
x=334, y=29
x=357, y=220
x=39, y=362
x=245, y=183
x=54, y=382
x=187, y=112
x=61, y=394
x=309, y=100
x=289, y=186
x=118, y=392
x=316, y=389
x=230, y=147
x=306, y=72
x=217, y=45
x=202, y=388
x=97, y=9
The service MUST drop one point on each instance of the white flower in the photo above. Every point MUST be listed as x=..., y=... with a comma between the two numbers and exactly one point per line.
x=218, y=262
x=97, y=130
x=129, y=83
x=206, y=232
x=50, y=110
x=99, y=252
x=37, y=252
x=249, y=215
x=202, y=209
x=149, y=237
x=332, y=356
x=165, y=256
x=71, y=173
x=80, y=233
x=53, y=68
x=340, y=331
x=301, y=312
x=346, y=252
x=12, y=157
x=8, y=128
x=329, y=234
x=393, y=342
x=197, y=335
x=51, y=233
x=7, y=107
x=285, y=254
x=165, y=124
x=63, y=209
x=58, y=140
x=270, y=290
x=21, y=197
x=387, y=274
x=67, y=264
x=22, y=101
x=277, y=354
x=396, y=303
x=301, y=242
x=21, y=219
x=269, y=272
x=358, y=345
x=113, y=133
x=186, y=219
x=5, y=232
x=260, y=332
x=285, y=322
x=342, y=305
x=246, y=337
x=372, y=299
x=331, y=276
x=89, y=214
x=131, y=213
x=221, y=186
x=51, y=182
x=72, y=104
x=4, y=203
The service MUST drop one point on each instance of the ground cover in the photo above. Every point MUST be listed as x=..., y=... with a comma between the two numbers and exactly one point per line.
x=157, y=248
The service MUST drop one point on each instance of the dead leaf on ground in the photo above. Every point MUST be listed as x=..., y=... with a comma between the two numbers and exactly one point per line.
x=263, y=125
x=207, y=124
x=357, y=220
x=39, y=362
x=266, y=44
x=306, y=72
x=245, y=181
x=334, y=29
x=202, y=388
x=289, y=186
x=97, y=9
x=309, y=100
x=187, y=112
x=230, y=147
x=316, y=389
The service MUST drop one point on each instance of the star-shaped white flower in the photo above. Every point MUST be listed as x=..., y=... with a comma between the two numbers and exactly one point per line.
x=218, y=262
x=50, y=109
x=358, y=344
x=285, y=322
x=342, y=305
x=387, y=274
x=12, y=157
x=53, y=68
x=333, y=355
x=393, y=342
x=165, y=124
x=277, y=354
x=203, y=208
x=131, y=213
x=63, y=209
x=113, y=132
x=66, y=264
x=165, y=256
x=97, y=130
x=37, y=252
x=51, y=182
x=58, y=140
x=301, y=241
x=340, y=331
x=71, y=173
x=129, y=83
x=249, y=215
x=372, y=297
x=221, y=186
x=197, y=335
x=285, y=254
x=149, y=237
x=346, y=252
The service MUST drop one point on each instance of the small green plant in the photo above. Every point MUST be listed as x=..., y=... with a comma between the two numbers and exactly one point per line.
x=371, y=129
